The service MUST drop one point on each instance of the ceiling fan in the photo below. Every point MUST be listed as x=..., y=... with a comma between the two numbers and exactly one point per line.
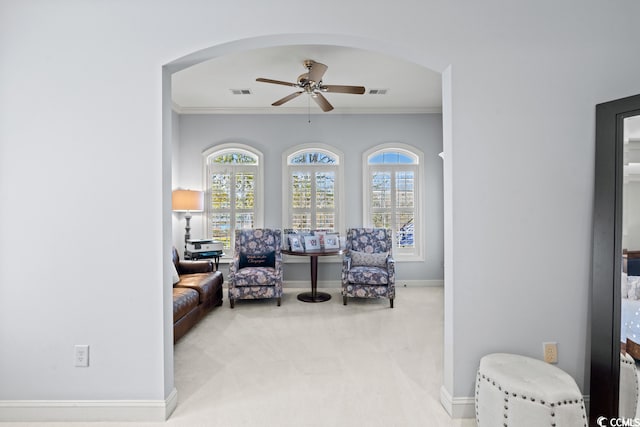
x=311, y=83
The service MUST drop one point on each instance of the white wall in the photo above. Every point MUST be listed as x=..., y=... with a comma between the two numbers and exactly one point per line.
x=353, y=135
x=82, y=172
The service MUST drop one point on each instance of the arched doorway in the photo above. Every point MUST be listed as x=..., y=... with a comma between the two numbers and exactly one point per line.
x=436, y=64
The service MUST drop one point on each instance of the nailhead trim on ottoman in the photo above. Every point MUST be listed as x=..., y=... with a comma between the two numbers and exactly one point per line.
x=519, y=391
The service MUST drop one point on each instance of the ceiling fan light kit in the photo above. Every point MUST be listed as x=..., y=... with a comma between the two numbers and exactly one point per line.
x=311, y=83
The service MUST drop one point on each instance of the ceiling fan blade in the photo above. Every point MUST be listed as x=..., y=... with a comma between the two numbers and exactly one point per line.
x=356, y=90
x=278, y=82
x=286, y=98
x=316, y=71
x=322, y=102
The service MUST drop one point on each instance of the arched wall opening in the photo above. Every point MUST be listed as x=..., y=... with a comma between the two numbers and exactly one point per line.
x=436, y=64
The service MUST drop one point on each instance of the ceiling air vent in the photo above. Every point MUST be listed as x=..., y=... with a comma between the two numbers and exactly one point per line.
x=240, y=91
x=378, y=91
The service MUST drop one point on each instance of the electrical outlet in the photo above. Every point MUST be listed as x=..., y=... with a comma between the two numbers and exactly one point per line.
x=81, y=355
x=550, y=350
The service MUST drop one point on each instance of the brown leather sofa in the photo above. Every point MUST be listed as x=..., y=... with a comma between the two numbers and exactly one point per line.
x=197, y=292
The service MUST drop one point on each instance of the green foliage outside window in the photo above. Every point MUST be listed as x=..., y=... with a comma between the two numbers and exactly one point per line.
x=234, y=158
x=232, y=194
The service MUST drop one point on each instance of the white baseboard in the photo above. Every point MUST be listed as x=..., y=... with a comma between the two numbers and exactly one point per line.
x=171, y=402
x=88, y=410
x=458, y=407
x=336, y=284
x=419, y=283
x=301, y=284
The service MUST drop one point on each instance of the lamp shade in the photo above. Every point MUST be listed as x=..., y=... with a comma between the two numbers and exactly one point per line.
x=187, y=200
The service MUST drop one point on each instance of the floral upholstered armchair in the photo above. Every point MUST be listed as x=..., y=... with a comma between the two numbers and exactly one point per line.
x=368, y=268
x=256, y=270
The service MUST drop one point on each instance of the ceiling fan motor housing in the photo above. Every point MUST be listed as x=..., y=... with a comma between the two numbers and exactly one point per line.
x=303, y=79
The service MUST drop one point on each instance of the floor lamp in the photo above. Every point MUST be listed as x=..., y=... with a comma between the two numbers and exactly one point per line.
x=187, y=201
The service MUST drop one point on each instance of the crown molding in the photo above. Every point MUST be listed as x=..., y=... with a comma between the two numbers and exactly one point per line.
x=279, y=110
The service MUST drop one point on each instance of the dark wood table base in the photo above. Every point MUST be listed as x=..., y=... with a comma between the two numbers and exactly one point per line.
x=310, y=297
x=314, y=295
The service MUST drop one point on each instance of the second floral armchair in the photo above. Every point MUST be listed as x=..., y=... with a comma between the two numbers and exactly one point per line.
x=368, y=267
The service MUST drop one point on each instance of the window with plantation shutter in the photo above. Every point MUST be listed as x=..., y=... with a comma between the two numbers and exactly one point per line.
x=313, y=188
x=234, y=187
x=392, y=196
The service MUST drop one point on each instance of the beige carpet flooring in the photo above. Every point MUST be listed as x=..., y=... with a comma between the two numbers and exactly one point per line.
x=315, y=365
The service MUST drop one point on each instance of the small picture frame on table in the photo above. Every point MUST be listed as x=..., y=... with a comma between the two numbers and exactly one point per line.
x=312, y=243
x=295, y=243
x=320, y=234
x=332, y=241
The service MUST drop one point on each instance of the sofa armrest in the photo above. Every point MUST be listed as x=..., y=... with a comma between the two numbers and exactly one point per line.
x=209, y=286
x=191, y=267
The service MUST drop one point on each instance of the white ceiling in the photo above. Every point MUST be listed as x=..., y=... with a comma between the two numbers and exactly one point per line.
x=206, y=87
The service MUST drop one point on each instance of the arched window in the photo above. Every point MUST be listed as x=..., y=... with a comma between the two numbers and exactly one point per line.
x=313, y=182
x=234, y=191
x=392, y=195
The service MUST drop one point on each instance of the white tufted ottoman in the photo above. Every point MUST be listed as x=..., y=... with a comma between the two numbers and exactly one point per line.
x=518, y=391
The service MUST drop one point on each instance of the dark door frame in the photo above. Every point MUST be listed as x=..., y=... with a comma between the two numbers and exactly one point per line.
x=607, y=256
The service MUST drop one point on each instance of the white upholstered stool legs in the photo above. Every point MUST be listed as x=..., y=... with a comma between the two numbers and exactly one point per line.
x=518, y=391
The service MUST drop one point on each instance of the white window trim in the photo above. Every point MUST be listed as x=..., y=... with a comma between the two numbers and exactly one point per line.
x=287, y=193
x=259, y=196
x=419, y=229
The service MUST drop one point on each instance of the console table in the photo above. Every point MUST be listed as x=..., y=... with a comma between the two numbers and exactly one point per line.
x=314, y=295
